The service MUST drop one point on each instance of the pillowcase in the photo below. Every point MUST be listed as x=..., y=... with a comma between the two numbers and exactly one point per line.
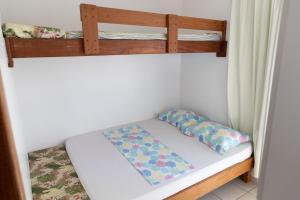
x=218, y=137
x=182, y=119
x=188, y=125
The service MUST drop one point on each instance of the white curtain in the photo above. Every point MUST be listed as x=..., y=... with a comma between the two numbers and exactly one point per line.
x=253, y=42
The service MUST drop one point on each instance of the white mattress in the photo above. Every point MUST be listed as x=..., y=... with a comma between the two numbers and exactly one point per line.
x=148, y=36
x=106, y=174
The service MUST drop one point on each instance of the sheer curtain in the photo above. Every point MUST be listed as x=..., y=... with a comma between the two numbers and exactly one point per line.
x=253, y=42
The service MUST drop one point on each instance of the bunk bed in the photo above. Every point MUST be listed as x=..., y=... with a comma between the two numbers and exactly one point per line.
x=90, y=44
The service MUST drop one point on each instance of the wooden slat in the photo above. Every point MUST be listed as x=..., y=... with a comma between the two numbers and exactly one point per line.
x=200, y=24
x=125, y=47
x=172, y=33
x=129, y=17
x=89, y=18
x=204, y=187
x=26, y=48
x=198, y=46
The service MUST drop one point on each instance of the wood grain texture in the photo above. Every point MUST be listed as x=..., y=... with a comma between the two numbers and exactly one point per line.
x=223, y=49
x=200, y=23
x=224, y=31
x=11, y=185
x=199, y=46
x=89, y=18
x=91, y=15
x=208, y=185
x=27, y=48
x=8, y=45
x=172, y=22
x=172, y=33
x=246, y=177
x=129, y=17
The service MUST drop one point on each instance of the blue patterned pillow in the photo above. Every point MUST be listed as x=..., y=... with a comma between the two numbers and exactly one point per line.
x=188, y=125
x=218, y=137
x=182, y=119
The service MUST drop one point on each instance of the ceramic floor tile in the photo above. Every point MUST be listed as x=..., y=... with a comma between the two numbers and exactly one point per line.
x=254, y=191
x=245, y=186
x=247, y=196
x=229, y=192
x=210, y=196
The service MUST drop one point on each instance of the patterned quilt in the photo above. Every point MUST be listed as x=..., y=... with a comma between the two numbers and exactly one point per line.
x=154, y=160
x=27, y=31
x=53, y=176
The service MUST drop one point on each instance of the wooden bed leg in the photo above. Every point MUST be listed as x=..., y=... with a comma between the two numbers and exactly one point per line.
x=246, y=177
x=223, y=49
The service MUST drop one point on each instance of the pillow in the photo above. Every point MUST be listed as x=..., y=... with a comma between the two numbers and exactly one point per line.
x=181, y=119
x=218, y=137
x=188, y=125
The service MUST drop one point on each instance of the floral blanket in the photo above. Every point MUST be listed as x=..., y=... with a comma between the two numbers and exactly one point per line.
x=53, y=176
x=154, y=160
x=26, y=31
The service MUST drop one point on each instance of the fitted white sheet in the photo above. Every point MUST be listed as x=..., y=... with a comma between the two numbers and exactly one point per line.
x=148, y=36
x=106, y=174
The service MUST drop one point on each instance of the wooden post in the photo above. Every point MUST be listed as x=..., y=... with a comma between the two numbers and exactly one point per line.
x=246, y=177
x=89, y=18
x=11, y=183
x=172, y=33
x=224, y=31
x=8, y=45
x=223, y=47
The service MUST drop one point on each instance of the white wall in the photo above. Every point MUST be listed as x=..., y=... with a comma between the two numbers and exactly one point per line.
x=281, y=163
x=60, y=98
x=63, y=97
x=204, y=77
x=14, y=116
x=51, y=91
x=65, y=13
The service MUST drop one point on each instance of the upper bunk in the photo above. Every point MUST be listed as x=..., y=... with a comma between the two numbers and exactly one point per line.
x=92, y=41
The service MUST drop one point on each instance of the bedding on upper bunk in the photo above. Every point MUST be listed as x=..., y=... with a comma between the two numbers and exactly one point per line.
x=102, y=169
x=148, y=36
x=27, y=31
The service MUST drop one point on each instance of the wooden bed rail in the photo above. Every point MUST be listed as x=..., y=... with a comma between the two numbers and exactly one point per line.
x=91, y=15
x=90, y=44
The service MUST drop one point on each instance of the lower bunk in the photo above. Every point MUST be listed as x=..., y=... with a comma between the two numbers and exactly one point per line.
x=90, y=167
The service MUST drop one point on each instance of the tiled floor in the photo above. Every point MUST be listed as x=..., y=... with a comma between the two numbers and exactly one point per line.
x=235, y=190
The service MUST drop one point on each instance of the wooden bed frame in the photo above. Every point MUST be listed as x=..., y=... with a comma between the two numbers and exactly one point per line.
x=206, y=186
x=91, y=15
